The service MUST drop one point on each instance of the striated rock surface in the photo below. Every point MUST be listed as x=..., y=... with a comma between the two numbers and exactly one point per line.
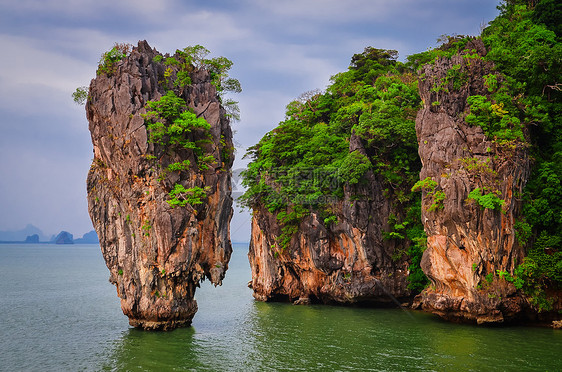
x=347, y=262
x=157, y=254
x=467, y=244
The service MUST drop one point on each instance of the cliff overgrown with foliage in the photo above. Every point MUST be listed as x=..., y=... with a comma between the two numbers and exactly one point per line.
x=304, y=164
x=524, y=43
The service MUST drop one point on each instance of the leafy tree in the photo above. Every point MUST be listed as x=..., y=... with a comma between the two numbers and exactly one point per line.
x=171, y=122
x=80, y=95
x=549, y=13
x=106, y=64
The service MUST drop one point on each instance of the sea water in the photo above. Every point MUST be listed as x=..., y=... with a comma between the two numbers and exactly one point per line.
x=58, y=312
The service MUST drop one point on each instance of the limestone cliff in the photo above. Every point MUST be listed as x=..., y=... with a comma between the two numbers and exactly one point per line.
x=334, y=217
x=157, y=252
x=345, y=262
x=467, y=243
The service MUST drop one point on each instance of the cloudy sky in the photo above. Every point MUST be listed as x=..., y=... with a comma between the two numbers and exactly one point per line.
x=280, y=49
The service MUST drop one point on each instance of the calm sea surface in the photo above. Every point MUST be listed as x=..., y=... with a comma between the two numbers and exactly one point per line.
x=59, y=313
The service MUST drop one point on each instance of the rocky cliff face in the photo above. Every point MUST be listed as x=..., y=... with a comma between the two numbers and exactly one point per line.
x=157, y=253
x=346, y=262
x=467, y=243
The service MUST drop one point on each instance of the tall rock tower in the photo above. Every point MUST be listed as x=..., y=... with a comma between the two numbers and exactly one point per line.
x=472, y=194
x=159, y=187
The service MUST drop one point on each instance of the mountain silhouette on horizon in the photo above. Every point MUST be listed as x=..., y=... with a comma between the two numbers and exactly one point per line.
x=33, y=234
x=22, y=234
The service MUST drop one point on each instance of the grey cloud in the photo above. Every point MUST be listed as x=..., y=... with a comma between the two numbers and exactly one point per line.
x=280, y=49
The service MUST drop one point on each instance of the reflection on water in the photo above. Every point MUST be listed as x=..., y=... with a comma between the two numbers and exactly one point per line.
x=63, y=315
x=282, y=336
x=138, y=350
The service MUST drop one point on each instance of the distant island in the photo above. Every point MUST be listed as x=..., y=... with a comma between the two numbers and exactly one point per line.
x=33, y=235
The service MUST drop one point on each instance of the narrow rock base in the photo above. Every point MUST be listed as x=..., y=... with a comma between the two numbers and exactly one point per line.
x=162, y=325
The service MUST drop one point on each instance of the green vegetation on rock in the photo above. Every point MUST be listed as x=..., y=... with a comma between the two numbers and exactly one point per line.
x=174, y=127
x=488, y=200
x=106, y=64
x=305, y=165
x=80, y=95
x=180, y=196
x=429, y=186
x=524, y=96
x=170, y=122
x=524, y=42
x=378, y=104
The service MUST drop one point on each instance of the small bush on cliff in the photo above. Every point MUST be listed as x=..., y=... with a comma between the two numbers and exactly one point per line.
x=498, y=117
x=196, y=57
x=290, y=221
x=179, y=166
x=417, y=279
x=354, y=166
x=488, y=201
x=170, y=122
x=180, y=196
x=430, y=187
x=106, y=64
x=449, y=46
x=80, y=95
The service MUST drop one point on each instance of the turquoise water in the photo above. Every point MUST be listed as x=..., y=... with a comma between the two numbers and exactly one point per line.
x=59, y=313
